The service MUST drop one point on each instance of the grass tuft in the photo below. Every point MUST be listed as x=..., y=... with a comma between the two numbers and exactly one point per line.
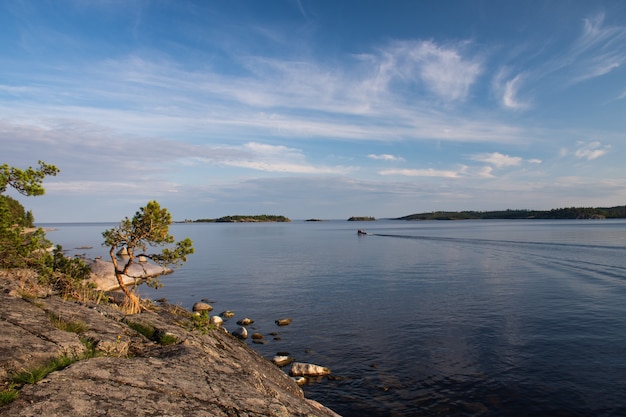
x=8, y=395
x=153, y=334
x=37, y=374
x=74, y=326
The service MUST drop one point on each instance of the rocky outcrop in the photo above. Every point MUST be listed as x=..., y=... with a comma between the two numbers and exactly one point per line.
x=153, y=363
x=103, y=275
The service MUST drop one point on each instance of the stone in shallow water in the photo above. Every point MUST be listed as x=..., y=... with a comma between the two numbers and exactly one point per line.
x=240, y=333
x=282, y=360
x=201, y=306
x=216, y=321
x=227, y=314
x=283, y=322
x=245, y=321
x=308, y=369
x=300, y=380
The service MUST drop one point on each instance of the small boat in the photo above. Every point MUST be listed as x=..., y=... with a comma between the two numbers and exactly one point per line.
x=361, y=232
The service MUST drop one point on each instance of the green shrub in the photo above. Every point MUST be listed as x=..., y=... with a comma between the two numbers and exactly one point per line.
x=67, y=276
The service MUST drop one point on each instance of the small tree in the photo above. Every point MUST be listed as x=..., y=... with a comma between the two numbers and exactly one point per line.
x=147, y=229
x=16, y=246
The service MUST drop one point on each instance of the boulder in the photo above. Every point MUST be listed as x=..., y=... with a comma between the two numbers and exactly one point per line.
x=216, y=321
x=245, y=321
x=202, y=306
x=240, y=333
x=280, y=360
x=283, y=322
x=308, y=369
x=103, y=273
x=227, y=314
x=300, y=380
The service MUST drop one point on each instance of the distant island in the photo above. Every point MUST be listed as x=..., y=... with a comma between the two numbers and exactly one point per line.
x=361, y=219
x=617, y=212
x=261, y=218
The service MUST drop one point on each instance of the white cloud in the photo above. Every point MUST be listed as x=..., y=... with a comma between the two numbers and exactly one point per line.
x=429, y=172
x=271, y=158
x=485, y=172
x=592, y=150
x=497, y=159
x=441, y=69
x=511, y=88
x=286, y=167
x=385, y=157
x=599, y=50
x=507, y=88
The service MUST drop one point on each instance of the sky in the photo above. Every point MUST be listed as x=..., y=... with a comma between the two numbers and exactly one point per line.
x=314, y=108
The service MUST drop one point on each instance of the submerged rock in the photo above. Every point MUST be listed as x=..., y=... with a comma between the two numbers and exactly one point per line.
x=283, y=322
x=245, y=321
x=227, y=314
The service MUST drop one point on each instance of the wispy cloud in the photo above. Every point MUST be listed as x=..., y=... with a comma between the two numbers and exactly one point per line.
x=591, y=150
x=428, y=172
x=507, y=88
x=442, y=70
x=599, y=50
x=385, y=157
x=276, y=97
x=269, y=158
x=497, y=159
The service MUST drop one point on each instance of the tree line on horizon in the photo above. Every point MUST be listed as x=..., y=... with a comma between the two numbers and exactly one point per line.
x=246, y=219
x=617, y=212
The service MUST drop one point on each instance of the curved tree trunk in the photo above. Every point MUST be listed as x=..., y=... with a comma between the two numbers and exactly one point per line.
x=131, y=303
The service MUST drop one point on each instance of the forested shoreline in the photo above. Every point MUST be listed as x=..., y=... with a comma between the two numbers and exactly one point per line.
x=617, y=212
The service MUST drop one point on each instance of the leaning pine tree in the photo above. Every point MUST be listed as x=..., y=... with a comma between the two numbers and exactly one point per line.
x=147, y=229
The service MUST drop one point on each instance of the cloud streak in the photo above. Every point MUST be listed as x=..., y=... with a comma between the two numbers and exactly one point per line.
x=497, y=159
x=591, y=151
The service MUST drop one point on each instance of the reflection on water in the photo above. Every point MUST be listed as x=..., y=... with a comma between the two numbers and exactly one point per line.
x=435, y=318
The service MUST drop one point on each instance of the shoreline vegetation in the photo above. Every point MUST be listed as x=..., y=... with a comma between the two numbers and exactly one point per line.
x=571, y=213
x=567, y=213
x=261, y=218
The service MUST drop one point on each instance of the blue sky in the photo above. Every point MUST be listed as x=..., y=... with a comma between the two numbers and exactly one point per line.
x=325, y=109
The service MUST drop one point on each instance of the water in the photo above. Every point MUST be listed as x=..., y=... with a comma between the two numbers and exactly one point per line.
x=464, y=318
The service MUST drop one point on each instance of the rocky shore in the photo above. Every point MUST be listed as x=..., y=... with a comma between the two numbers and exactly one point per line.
x=159, y=362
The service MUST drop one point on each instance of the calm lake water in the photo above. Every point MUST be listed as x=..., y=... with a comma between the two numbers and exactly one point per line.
x=436, y=318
